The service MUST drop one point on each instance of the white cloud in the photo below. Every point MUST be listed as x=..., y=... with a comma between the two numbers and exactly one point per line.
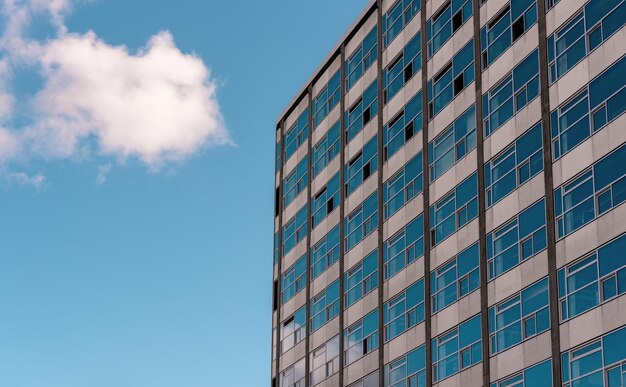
x=22, y=179
x=103, y=171
x=157, y=104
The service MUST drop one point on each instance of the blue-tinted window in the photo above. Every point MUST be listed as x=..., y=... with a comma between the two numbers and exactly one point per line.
x=362, y=221
x=603, y=100
x=398, y=16
x=509, y=25
x=539, y=375
x=597, y=278
x=324, y=361
x=361, y=60
x=361, y=337
x=592, y=193
x=454, y=210
x=408, y=370
x=276, y=247
x=451, y=80
x=277, y=160
x=550, y=4
x=296, y=182
x=455, y=279
x=402, y=68
x=325, y=252
x=403, y=186
x=453, y=144
x=293, y=280
x=597, y=361
x=325, y=306
x=297, y=134
x=362, y=166
x=520, y=317
x=443, y=24
x=326, y=200
x=362, y=112
x=404, y=247
x=404, y=311
x=403, y=127
x=511, y=94
x=294, y=230
x=293, y=330
x=514, y=166
x=517, y=240
x=457, y=349
x=293, y=376
x=361, y=279
x=327, y=99
x=326, y=149
x=598, y=20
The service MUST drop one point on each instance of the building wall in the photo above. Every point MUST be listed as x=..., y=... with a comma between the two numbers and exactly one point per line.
x=444, y=216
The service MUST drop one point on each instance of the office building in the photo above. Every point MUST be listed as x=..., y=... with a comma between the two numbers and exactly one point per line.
x=450, y=189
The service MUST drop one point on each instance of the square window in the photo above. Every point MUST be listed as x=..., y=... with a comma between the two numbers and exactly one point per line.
x=518, y=28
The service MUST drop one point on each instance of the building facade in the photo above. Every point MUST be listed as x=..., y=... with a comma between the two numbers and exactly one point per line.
x=450, y=189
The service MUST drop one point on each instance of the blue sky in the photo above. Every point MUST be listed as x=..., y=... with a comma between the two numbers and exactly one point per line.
x=128, y=265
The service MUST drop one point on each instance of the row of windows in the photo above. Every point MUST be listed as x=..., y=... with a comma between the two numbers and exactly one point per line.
x=408, y=370
x=402, y=127
x=324, y=361
x=589, y=195
x=293, y=280
x=327, y=99
x=325, y=306
x=326, y=200
x=297, y=134
x=325, y=252
x=402, y=68
x=404, y=311
x=402, y=187
x=362, y=58
x=361, y=338
x=444, y=23
x=514, y=166
x=326, y=149
x=454, y=210
x=361, y=279
x=362, y=112
x=598, y=20
x=514, y=92
x=457, y=349
x=538, y=375
x=296, y=182
x=505, y=28
x=404, y=247
x=592, y=280
x=362, y=166
x=599, y=103
x=455, y=279
x=362, y=222
x=394, y=21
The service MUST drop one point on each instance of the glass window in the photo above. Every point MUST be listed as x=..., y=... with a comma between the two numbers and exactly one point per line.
x=361, y=222
x=514, y=92
x=517, y=240
x=326, y=149
x=408, y=370
x=325, y=306
x=362, y=112
x=327, y=99
x=326, y=200
x=504, y=29
x=453, y=144
x=520, y=317
x=325, y=252
x=445, y=22
x=455, y=279
x=404, y=311
x=293, y=280
x=593, y=363
x=603, y=100
x=277, y=160
x=362, y=58
x=370, y=380
x=361, y=279
x=276, y=247
x=403, y=127
x=514, y=166
x=361, y=338
x=362, y=166
x=402, y=187
x=404, y=247
x=539, y=375
x=296, y=182
x=592, y=193
x=454, y=210
x=295, y=230
x=567, y=46
x=293, y=330
x=592, y=280
x=297, y=134
x=398, y=16
x=451, y=80
x=402, y=68
x=324, y=361
x=293, y=376
x=457, y=349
